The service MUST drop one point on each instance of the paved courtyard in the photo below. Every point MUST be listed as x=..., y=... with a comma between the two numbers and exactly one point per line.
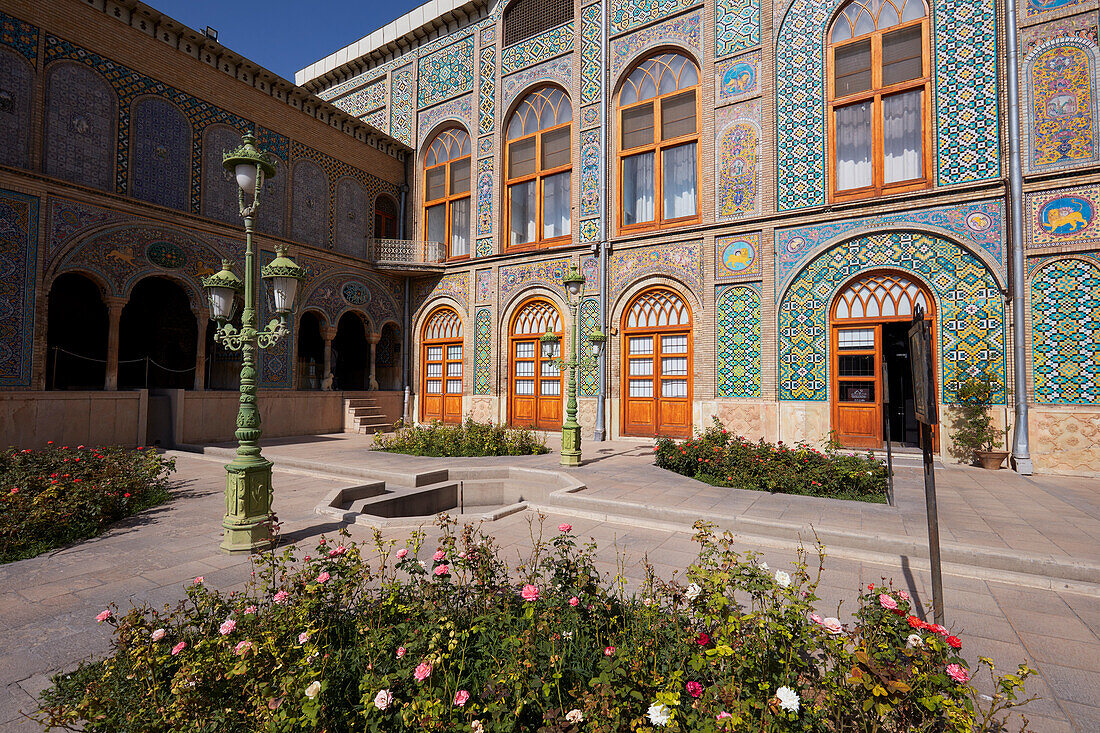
x=1022, y=555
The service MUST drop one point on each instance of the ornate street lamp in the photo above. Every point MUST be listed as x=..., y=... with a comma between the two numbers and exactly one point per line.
x=570, y=430
x=248, y=476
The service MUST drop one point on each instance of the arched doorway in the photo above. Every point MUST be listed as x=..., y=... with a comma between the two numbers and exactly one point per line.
x=223, y=367
x=76, y=334
x=387, y=358
x=534, y=396
x=657, y=365
x=441, y=367
x=350, y=369
x=157, y=337
x=869, y=324
x=311, y=352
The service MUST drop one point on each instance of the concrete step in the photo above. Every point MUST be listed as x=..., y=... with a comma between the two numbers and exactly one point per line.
x=366, y=411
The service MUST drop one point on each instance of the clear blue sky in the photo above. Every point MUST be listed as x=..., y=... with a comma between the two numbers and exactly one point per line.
x=286, y=35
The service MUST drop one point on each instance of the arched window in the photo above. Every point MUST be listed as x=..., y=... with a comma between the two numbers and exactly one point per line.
x=539, y=168
x=441, y=367
x=879, y=97
x=657, y=365
x=526, y=18
x=658, y=143
x=534, y=400
x=447, y=191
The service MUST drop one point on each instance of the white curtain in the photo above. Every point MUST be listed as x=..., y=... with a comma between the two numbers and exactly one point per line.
x=679, y=181
x=901, y=133
x=435, y=228
x=638, y=188
x=460, y=228
x=853, y=146
x=523, y=213
x=556, y=206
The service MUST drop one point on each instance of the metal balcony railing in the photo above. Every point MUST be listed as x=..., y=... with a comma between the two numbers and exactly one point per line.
x=406, y=251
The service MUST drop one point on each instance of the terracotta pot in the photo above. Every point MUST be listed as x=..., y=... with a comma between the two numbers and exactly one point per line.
x=991, y=459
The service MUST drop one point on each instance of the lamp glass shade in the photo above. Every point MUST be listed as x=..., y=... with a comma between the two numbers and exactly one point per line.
x=574, y=286
x=246, y=177
x=283, y=291
x=222, y=301
x=595, y=347
x=548, y=341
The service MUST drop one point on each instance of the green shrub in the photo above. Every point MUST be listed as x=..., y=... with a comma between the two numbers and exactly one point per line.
x=721, y=459
x=467, y=439
x=355, y=638
x=972, y=426
x=56, y=496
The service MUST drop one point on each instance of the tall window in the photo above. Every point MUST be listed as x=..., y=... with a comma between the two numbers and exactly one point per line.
x=385, y=218
x=540, y=193
x=658, y=143
x=447, y=191
x=879, y=97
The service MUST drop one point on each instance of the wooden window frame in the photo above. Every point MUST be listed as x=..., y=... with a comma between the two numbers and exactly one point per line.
x=875, y=94
x=538, y=360
x=657, y=148
x=449, y=199
x=537, y=177
x=385, y=216
x=425, y=344
x=655, y=332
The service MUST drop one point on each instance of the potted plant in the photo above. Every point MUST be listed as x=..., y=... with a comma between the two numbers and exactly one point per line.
x=974, y=436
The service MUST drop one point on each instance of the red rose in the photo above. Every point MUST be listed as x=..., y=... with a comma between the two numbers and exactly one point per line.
x=702, y=639
x=915, y=622
x=954, y=642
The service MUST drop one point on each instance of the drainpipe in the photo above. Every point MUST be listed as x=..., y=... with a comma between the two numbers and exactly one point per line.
x=599, y=434
x=1021, y=454
x=408, y=334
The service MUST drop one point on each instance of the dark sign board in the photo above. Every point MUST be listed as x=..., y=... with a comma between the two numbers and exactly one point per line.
x=924, y=379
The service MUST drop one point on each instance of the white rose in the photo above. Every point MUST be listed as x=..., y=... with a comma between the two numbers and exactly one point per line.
x=313, y=689
x=659, y=714
x=159, y=634
x=692, y=592
x=914, y=641
x=764, y=565
x=788, y=699
x=782, y=578
x=383, y=699
x=574, y=716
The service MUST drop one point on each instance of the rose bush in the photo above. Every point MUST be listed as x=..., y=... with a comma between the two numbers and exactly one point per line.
x=471, y=438
x=55, y=496
x=387, y=644
x=720, y=458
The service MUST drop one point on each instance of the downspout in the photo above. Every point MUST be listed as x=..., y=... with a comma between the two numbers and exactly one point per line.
x=405, y=319
x=1021, y=453
x=599, y=434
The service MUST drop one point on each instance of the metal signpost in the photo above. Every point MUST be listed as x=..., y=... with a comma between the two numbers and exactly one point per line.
x=924, y=397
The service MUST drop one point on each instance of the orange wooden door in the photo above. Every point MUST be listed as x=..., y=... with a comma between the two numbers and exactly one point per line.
x=535, y=383
x=441, y=367
x=657, y=366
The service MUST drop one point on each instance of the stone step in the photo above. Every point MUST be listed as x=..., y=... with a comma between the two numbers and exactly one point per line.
x=361, y=402
x=357, y=411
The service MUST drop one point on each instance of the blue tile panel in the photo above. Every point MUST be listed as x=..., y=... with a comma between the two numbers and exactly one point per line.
x=1065, y=332
x=738, y=344
x=483, y=350
x=737, y=26
x=18, y=274
x=446, y=73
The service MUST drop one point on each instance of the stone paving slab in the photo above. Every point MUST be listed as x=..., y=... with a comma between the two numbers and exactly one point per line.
x=49, y=603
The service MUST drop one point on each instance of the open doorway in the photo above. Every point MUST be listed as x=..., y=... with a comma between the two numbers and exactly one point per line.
x=350, y=353
x=76, y=334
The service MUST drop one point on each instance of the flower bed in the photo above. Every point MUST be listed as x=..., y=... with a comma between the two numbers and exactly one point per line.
x=458, y=642
x=56, y=496
x=722, y=459
x=467, y=439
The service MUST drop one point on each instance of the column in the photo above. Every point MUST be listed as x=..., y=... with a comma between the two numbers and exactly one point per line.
x=328, y=333
x=373, y=339
x=114, y=316
x=200, y=350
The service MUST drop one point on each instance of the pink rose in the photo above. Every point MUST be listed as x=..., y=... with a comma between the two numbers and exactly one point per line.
x=958, y=674
x=281, y=597
x=815, y=618
x=442, y=569
x=401, y=553
x=887, y=602
x=323, y=577
x=723, y=715
x=103, y=616
x=303, y=637
x=903, y=595
x=198, y=580
x=422, y=671
x=159, y=634
x=530, y=592
x=608, y=651
x=565, y=527
x=227, y=627
x=941, y=630
x=694, y=688
x=179, y=648
x=249, y=610
x=400, y=652
x=574, y=601
x=462, y=556
x=461, y=697
x=242, y=647
x=439, y=555
x=832, y=625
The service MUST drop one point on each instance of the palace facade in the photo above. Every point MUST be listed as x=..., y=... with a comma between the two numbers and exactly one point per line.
x=759, y=196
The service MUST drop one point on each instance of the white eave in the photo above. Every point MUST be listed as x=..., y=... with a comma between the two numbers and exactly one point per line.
x=418, y=24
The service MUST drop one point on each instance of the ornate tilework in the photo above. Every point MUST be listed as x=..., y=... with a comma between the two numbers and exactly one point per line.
x=1065, y=318
x=483, y=288
x=376, y=119
x=590, y=115
x=485, y=145
x=982, y=223
x=590, y=268
x=1063, y=216
x=737, y=256
x=737, y=78
x=487, y=106
x=219, y=193
x=738, y=309
x=446, y=73
x=549, y=44
x=20, y=35
x=590, y=173
x=369, y=97
x=590, y=230
x=1062, y=120
x=559, y=70
x=514, y=278
x=588, y=378
x=457, y=109
x=681, y=260
x=161, y=154
x=66, y=218
x=737, y=26
x=309, y=211
x=456, y=285
x=627, y=14
x=81, y=119
x=485, y=196
x=737, y=155
x=401, y=104
x=489, y=34
x=18, y=275
x=16, y=97
x=330, y=295
x=686, y=31
x=1079, y=26
x=969, y=310
x=352, y=219
x=591, y=55
x=1037, y=7
x=484, y=247
x=483, y=350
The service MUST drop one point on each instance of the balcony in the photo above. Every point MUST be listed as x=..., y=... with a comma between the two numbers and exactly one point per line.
x=407, y=256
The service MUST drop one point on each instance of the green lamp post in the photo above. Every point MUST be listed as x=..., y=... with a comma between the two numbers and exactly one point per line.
x=571, y=430
x=248, y=476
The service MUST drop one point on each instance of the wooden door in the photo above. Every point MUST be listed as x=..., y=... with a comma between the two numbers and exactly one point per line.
x=535, y=383
x=657, y=366
x=441, y=367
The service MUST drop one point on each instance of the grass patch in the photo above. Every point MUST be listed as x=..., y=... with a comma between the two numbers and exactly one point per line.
x=470, y=438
